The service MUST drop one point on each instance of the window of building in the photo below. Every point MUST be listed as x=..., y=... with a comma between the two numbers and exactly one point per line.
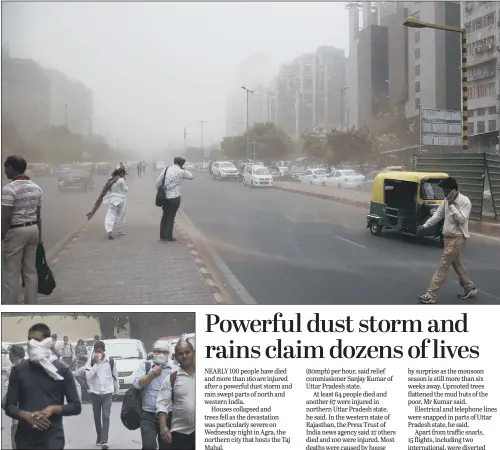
x=472, y=112
x=471, y=127
x=492, y=110
x=417, y=70
x=417, y=87
x=417, y=37
x=417, y=53
x=491, y=89
x=492, y=125
x=417, y=104
x=481, y=127
x=480, y=112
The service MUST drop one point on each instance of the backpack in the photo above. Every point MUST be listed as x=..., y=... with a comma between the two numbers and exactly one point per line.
x=132, y=406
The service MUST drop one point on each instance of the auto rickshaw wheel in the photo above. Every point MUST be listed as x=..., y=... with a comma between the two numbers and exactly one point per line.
x=375, y=228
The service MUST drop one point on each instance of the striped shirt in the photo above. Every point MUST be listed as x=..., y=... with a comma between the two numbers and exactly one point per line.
x=24, y=196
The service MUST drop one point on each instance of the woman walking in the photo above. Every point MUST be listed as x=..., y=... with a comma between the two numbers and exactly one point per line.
x=113, y=194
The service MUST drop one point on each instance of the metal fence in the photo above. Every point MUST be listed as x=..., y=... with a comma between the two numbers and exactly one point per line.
x=476, y=174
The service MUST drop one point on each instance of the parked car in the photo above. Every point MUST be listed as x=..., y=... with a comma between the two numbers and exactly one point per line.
x=257, y=176
x=275, y=173
x=224, y=170
x=79, y=180
x=344, y=179
x=128, y=354
x=104, y=168
x=41, y=169
x=313, y=176
x=367, y=184
x=294, y=173
x=63, y=168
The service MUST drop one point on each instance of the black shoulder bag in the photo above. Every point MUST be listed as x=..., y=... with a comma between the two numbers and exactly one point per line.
x=160, y=193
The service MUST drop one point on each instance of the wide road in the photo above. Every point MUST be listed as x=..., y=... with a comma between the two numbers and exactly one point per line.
x=286, y=248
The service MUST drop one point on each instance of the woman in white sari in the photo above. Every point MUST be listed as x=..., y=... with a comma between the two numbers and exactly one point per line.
x=114, y=195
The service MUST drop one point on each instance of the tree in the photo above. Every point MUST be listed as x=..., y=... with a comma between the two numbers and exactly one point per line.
x=233, y=147
x=352, y=145
x=315, y=143
x=13, y=142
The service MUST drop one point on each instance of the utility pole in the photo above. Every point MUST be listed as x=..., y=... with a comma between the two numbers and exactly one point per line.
x=248, y=137
x=202, y=144
x=90, y=125
x=66, y=116
x=420, y=125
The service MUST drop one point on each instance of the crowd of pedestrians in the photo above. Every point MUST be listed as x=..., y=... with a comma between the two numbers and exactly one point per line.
x=54, y=378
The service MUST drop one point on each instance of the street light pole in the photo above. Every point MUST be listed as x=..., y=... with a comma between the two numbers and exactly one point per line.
x=66, y=116
x=202, y=148
x=90, y=124
x=412, y=22
x=342, y=108
x=248, y=137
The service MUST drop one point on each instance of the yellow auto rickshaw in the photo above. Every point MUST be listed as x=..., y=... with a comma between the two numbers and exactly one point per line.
x=402, y=201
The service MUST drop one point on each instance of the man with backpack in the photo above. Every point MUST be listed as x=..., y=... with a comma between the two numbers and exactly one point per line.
x=148, y=378
x=102, y=380
x=177, y=395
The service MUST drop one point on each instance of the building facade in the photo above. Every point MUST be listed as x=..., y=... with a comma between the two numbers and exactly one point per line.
x=25, y=94
x=481, y=21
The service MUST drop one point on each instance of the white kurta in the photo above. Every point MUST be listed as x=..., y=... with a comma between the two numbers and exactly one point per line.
x=117, y=200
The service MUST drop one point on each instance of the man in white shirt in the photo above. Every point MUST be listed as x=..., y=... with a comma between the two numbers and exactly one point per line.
x=177, y=394
x=455, y=210
x=67, y=353
x=102, y=379
x=173, y=176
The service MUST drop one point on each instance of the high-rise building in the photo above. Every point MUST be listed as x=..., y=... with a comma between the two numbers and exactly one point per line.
x=481, y=21
x=70, y=102
x=329, y=80
x=25, y=94
x=434, y=58
x=287, y=89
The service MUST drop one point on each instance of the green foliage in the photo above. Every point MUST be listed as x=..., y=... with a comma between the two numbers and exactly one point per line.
x=271, y=143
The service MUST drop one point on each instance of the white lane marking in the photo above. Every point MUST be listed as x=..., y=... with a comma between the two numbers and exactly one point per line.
x=259, y=206
x=350, y=242
x=483, y=292
x=291, y=219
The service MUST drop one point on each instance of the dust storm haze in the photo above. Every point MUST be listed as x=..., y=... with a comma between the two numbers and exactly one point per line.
x=156, y=68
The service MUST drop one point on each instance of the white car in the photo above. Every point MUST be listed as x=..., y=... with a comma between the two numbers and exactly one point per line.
x=344, y=179
x=257, y=176
x=224, y=170
x=128, y=354
x=313, y=176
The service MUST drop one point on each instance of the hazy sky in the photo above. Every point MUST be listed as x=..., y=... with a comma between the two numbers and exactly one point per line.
x=156, y=68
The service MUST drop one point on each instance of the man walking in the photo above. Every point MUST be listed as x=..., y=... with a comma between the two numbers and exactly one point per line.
x=67, y=353
x=37, y=392
x=21, y=232
x=102, y=380
x=139, y=169
x=150, y=377
x=16, y=356
x=177, y=394
x=173, y=176
x=455, y=210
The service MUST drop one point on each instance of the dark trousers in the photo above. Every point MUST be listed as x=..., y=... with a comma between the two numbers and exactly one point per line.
x=183, y=441
x=170, y=208
x=150, y=432
x=51, y=439
x=102, y=403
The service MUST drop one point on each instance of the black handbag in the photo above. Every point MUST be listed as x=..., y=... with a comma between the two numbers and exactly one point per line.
x=46, y=281
x=160, y=193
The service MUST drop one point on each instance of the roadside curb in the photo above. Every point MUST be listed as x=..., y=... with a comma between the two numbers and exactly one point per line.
x=231, y=289
x=63, y=245
x=215, y=291
x=488, y=229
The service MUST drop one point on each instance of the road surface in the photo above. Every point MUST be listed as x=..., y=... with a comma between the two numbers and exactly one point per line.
x=292, y=249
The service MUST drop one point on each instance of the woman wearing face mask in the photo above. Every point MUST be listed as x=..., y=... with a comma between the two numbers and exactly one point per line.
x=149, y=377
x=16, y=356
x=41, y=391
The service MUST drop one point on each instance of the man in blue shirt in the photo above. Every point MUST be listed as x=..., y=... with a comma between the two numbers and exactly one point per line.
x=150, y=381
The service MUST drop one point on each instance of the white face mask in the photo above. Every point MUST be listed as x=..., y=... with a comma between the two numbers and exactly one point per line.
x=159, y=358
x=39, y=350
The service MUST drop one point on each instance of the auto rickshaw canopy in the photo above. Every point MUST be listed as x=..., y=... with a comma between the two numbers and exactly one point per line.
x=415, y=177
